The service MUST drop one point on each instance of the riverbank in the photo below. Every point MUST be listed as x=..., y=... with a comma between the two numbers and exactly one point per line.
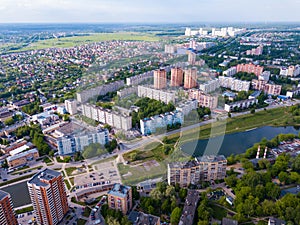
x=270, y=117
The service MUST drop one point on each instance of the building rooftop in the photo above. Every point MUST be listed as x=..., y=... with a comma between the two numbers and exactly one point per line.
x=275, y=221
x=210, y=158
x=119, y=190
x=42, y=178
x=139, y=218
x=293, y=190
x=227, y=221
x=189, y=209
x=183, y=165
x=3, y=194
x=22, y=154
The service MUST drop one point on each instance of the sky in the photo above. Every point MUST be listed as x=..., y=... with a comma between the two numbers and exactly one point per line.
x=148, y=11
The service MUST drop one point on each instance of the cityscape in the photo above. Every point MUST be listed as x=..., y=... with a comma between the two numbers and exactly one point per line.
x=137, y=113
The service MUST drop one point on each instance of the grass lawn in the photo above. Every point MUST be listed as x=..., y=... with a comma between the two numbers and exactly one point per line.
x=67, y=184
x=104, y=160
x=24, y=210
x=218, y=212
x=72, y=180
x=81, y=222
x=70, y=170
x=140, y=173
x=87, y=211
x=67, y=42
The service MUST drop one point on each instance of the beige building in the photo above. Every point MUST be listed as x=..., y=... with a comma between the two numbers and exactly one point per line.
x=203, y=99
x=22, y=158
x=270, y=89
x=176, y=77
x=205, y=168
x=48, y=196
x=120, y=198
x=7, y=214
x=160, y=79
x=190, y=78
x=165, y=96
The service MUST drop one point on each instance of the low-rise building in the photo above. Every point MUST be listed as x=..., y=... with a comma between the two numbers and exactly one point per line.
x=240, y=105
x=291, y=71
x=22, y=158
x=150, y=125
x=276, y=221
x=120, y=198
x=189, y=209
x=5, y=114
x=293, y=93
x=205, y=168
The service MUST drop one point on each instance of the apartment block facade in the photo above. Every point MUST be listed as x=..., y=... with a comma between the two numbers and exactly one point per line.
x=176, y=77
x=190, y=78
x=250, y=68
x=7, y=213
x=165, y=96
x=160, y=79
x=48, y=196
x=234, y=84
x=67, y=145
x=71, y=106
x=270, y=89
x=203, y=99
x=120, y=198
x=106, y=116
x=205, y=168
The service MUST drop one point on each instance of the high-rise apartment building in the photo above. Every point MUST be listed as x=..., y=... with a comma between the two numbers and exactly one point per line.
x=270, y=89
x=192, y=58
x=71, y=106
x=190, y=78
x=160, y=79
x=205, y=168
x=7, y=214
x=48, y=196
x=120, y=198
x=176, y=77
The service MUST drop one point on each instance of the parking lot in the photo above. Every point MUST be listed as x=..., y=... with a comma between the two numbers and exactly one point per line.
x=103, y=173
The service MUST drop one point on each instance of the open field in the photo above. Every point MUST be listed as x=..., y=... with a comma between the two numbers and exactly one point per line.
x=137, y=173
x=79, y=40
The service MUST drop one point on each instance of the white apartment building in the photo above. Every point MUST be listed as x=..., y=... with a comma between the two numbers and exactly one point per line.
x=106, y=116
x=71, y=106
x=188, y=106
x=244, y=104
x=291, y=71
x=234, y=84
x=160, y=95
x=230, y=72
x=127, y=91
x=210, y=86
x=100, y=90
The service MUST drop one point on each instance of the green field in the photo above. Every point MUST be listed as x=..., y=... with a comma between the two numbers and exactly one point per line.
x=67, y=42
x=139, y=173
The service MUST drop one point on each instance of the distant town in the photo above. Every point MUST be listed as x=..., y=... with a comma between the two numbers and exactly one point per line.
x=108, y=128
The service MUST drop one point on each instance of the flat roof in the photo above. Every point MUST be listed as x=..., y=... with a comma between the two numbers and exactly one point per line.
x=119, y=190
x=20, y=149
x=22, y=154
x=44, y=175
x=3, y=194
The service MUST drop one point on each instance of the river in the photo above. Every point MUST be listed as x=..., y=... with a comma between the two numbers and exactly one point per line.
x=235, y=143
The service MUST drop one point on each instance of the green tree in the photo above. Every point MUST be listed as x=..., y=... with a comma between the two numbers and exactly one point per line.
x=175, y=216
